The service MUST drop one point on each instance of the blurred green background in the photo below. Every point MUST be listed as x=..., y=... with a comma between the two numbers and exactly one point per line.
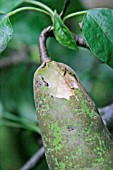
x=19, y=132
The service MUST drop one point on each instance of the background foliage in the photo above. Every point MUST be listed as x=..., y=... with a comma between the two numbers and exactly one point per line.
x=19, y=133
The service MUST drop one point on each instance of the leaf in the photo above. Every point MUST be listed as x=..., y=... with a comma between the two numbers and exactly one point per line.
x=18, y=125
x=6, y=31
x=98, y=32
x=8, y=5
x=63, y=34
x=10, y=124
x=20, y=122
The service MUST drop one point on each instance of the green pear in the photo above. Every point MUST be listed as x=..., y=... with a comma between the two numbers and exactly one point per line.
x=72, y=130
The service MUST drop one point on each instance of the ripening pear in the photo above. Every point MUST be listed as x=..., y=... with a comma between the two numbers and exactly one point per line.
x=72, y=130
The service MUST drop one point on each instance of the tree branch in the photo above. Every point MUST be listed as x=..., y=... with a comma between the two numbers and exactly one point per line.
x=107, y=116
x=66, y=3
x=80, y=41
x=42, y=44
x=34, y=160
x=16, y=58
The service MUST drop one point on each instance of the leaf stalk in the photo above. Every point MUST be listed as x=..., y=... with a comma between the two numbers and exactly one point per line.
x=27, y=8
x=74, y=14
x=42, y=6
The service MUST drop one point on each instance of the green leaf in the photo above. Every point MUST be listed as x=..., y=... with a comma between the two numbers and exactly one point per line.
x=98, y=32
x=8, y=5
x=10, y=124
x=18, y=125
x=63, y=34
x=6, y=31
x=8, y=119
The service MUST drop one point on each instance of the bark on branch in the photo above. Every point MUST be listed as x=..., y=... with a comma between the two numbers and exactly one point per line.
x=34, y=160
x=107, y=116
x=66, y=4
x=16, y=58
x=80, y=41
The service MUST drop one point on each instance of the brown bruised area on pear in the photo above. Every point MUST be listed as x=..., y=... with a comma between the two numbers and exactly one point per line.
x=61, y=80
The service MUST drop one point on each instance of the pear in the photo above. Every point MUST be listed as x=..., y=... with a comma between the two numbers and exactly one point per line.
x=72, y=130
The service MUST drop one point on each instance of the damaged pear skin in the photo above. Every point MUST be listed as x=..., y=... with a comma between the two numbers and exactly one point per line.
x=73, y=133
